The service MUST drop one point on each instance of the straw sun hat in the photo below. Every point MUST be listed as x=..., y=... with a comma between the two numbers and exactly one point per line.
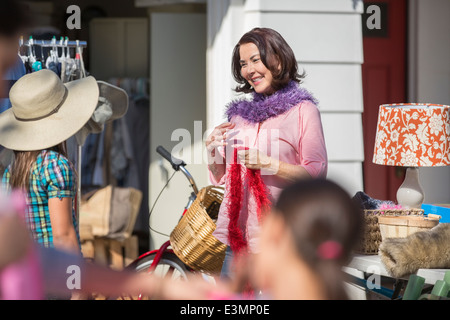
x=45, y=111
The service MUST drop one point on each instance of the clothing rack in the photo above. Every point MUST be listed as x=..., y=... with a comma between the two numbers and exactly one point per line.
x=53, y=43
x=58, y=56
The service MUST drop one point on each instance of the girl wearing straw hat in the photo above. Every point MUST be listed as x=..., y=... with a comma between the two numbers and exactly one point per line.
x=44, y=114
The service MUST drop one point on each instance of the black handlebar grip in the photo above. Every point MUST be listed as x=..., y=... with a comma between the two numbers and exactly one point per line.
x=164, y=153
x=176, y=163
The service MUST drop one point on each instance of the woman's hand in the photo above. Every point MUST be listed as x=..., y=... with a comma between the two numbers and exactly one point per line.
x=256, y=160
x=216, y=162
x=217, y=138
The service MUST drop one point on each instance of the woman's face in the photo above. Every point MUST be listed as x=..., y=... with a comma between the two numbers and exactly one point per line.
x=253, y=70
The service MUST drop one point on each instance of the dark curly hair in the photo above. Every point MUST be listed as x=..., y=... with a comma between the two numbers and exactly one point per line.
x=273, y=50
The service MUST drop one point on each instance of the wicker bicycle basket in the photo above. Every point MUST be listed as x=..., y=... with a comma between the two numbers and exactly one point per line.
x=371, y=239
x=192, y=239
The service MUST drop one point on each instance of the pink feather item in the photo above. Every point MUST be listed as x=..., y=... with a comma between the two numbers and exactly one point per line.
x=389, y=206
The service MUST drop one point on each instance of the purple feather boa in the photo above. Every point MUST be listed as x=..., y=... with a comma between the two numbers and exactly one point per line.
x=263, y=107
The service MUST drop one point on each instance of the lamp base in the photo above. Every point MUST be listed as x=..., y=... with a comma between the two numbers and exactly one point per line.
x=410, y=194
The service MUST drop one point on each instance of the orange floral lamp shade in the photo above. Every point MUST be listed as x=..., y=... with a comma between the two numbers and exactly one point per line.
x=413, y=135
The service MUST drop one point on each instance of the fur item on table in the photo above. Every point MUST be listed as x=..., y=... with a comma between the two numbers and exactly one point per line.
x=420, y=250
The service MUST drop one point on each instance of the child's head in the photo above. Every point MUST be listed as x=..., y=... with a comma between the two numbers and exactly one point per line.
x=315, y=224
x=45, y=111
x=276, y=56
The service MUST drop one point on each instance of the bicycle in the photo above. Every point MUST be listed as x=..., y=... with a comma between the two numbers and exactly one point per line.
x=163, y=261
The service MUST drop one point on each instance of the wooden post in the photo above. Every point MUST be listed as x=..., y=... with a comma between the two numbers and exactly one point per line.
x=116, y=254
x=88, y=250
x=131, y=249
x=100, y=255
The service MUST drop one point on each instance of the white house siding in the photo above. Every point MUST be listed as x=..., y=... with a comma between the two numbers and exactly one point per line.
x=326, y=37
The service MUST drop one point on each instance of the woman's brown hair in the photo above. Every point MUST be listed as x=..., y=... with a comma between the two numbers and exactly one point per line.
x=320, y=212
x=273, y=50
x=23, y=162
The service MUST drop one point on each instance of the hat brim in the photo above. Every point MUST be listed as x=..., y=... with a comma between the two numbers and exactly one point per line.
x=80, y=103
x=117, y=96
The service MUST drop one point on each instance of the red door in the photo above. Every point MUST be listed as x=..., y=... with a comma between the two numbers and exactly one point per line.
x=384, y=81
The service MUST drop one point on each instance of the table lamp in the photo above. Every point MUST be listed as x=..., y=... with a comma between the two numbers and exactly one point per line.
x=412, y=135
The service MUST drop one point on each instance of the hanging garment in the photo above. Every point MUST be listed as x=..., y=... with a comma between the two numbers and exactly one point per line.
x=138, y=120
x=88, y=160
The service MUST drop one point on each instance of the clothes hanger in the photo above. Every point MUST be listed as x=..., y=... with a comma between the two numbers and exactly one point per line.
x=25, y=57
x=54, y=51
x=70, y=63
x=79, y=55
x=32, y=60
x=52, y=59
x=66, y=42
x=61, y=44
x=31, y=56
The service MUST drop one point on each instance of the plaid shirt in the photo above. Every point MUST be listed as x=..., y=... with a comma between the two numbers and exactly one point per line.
x=51, y=176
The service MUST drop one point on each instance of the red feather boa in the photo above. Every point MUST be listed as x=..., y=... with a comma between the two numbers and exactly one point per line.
x=236, y=236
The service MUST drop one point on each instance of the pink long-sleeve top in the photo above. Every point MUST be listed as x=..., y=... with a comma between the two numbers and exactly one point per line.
x=295, y=137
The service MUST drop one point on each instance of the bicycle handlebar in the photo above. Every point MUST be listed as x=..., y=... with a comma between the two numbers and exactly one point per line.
x=177, y=165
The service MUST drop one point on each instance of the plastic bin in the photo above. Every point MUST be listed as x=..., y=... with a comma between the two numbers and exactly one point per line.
x=442, y=210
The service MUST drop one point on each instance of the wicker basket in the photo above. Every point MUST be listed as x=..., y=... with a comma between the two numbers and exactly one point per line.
x=371, y=239
x=403, y=226
x=192, y=239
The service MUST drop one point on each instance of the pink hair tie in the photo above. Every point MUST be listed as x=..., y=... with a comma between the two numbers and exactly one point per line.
x=329, y=250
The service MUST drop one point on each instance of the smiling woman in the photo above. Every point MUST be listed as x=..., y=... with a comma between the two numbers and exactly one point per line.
x=268, y=141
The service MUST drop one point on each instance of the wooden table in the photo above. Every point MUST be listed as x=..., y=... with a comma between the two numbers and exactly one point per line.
x=368, y=263
x=362, y=266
